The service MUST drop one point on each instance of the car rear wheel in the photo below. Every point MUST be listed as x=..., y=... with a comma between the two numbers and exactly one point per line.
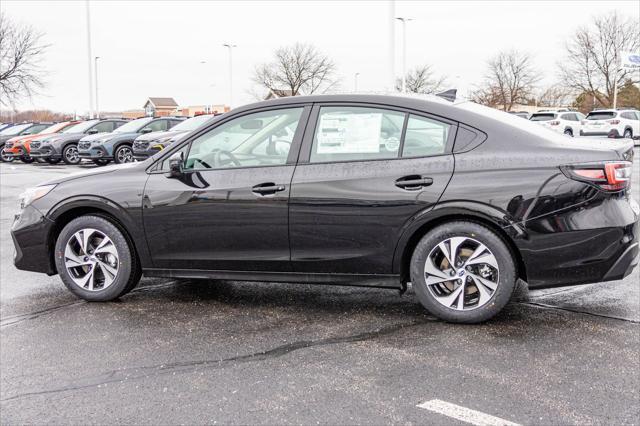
x=124, y=154
x=568, y=132
x=463, y=272
x=628, y=134
x=70, y=154
x=95, y=260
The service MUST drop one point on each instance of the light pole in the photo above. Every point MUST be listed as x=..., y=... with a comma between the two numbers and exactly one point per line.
x=391, y=54
x=230, y=47
x=404, y=51
x=355, y=81
x=95, y=70
x=89, y=58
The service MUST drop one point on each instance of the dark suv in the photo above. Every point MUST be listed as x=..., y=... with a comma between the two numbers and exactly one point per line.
x=118, y=145
x=348, y=189
x=64, y=146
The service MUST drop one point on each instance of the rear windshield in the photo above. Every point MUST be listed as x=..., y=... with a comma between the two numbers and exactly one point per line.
x=542, y=117
x=604, y=115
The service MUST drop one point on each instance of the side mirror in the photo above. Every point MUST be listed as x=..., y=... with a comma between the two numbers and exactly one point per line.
x=176, y=164
x=147, y=130
x=92, y=131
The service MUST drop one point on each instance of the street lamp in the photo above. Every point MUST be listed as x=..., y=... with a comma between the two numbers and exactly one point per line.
x=355, y=81
x=95, y=70
x=230, y=47
x=89, y=58
x=404, y=51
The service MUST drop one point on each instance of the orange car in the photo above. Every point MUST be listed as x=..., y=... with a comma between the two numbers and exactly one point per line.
x=19, y=146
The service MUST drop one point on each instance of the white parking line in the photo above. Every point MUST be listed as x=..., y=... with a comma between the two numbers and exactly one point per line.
x=464, y=414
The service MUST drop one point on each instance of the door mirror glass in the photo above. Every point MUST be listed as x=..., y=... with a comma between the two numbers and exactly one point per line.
x=176, y=162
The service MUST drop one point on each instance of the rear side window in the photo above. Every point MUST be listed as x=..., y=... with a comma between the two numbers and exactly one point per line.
x=542, y=117
x=356, y=133
x=425, y=137
x=605, y=115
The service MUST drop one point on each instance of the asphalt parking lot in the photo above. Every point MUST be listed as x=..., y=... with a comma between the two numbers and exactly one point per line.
x=185, y=352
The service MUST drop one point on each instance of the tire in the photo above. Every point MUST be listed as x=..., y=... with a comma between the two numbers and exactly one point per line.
x=27, y=160
x=70, y=154
x=95, y=281
x=123, y=154
x=4, y=157
x=439, y=298
x=53, y=160
x=100, y=162
x=568, y=132
x=628, y=134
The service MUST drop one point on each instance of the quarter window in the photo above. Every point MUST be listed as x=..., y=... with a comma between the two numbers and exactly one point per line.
x=253, y=140
x=356, y=133
x=425, y=137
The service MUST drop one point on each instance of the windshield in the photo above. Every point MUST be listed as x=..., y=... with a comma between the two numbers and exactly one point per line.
x=603, y=115
x=80, y=127
x=133, y=126
x=542, y=117
x=52, y=129
x=14, y=130
x=192, y=123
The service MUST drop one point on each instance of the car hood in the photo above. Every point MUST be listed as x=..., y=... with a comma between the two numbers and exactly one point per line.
x=4, y=138
x=119, y=136
x=93, y=172
x=29, y=138
x=153, y=136
x=60, y=137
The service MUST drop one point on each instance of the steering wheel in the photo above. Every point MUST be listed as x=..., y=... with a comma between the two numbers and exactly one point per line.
x=217, y=158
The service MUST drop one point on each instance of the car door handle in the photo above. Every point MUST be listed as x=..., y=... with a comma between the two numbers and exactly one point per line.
x=411, y=183
x=267, y=188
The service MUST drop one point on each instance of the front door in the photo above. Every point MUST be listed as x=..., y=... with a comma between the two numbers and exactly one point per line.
x=364, y=173
x=229, y=210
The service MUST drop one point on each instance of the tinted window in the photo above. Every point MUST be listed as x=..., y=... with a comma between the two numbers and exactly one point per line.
x=35, y=129
x=603, y=115
x=356, y=133
x=192, y=123
x=105, y=126
x=14, y=130
x=542, y=117
x=259, y=139
x=425, y=137
x=134, y=126
x=157, y=126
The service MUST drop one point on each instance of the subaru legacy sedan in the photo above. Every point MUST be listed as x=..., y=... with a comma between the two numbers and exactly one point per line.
x=462, y=201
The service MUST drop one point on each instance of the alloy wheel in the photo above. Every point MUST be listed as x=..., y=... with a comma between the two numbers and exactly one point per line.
x=6, y=157
x=461, y=273
x=91, y=259
x=125, y=155
x=71, y=154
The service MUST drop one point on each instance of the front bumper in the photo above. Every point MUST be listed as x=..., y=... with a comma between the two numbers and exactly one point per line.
x=45, y=152
x=96, y=152
x=14, y=152
x=30, y=234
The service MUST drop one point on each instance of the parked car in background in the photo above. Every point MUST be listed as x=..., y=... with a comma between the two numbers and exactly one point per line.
x=144, y=146
x=117, y=146
x=566, y=122
x=21, y=129
x=20, y=146
x=348, y=189
x=521, y=114
x=64, y=146
x=613, y=123
x=5, y=126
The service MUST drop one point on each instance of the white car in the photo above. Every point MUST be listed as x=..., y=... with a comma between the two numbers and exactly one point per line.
x=567, y=122
x=614, y=123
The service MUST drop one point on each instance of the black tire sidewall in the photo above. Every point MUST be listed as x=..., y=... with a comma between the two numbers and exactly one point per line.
x=506, y=281
x=126, y=267
x=628, y=132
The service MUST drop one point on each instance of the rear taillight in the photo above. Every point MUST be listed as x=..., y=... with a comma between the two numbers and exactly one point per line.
x=613, y=121
x=609, y=176
x=554, y=123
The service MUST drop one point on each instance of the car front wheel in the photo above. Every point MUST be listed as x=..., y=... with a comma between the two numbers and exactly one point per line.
x=95, y=260
x=6, y=157
x=463, y=272
x=124, y=154
x=628, y=134
x=568, y=132
x=70, y=154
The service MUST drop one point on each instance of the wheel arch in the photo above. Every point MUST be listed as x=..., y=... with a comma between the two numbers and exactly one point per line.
x=411, y=237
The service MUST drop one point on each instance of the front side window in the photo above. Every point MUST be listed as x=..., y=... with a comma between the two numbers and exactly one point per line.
x=105, y=126
x=35, y=129
x=425, y=137
x=156, y=126
x=356, y=133
x=253, y=140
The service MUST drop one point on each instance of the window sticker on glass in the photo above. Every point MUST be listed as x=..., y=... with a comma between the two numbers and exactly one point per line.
x=341, y=133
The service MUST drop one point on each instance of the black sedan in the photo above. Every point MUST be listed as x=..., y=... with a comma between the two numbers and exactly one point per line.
x=460, y=200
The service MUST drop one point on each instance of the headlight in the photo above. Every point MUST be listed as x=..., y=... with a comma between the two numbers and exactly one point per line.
x=33, y=194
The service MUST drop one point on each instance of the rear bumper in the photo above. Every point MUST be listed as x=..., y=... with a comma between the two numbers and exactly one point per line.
x=593, y=133
x=624, y=265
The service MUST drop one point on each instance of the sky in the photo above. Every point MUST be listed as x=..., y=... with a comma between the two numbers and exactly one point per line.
x=175, y=48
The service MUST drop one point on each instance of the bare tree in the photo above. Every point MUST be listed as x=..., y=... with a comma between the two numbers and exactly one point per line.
x=555, y=96
x=422, y=79
x=592, y=56
x=297, y=69
x=510, y=79
x=21, y=50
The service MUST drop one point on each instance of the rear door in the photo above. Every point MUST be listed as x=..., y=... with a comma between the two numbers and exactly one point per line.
x=364, y=172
